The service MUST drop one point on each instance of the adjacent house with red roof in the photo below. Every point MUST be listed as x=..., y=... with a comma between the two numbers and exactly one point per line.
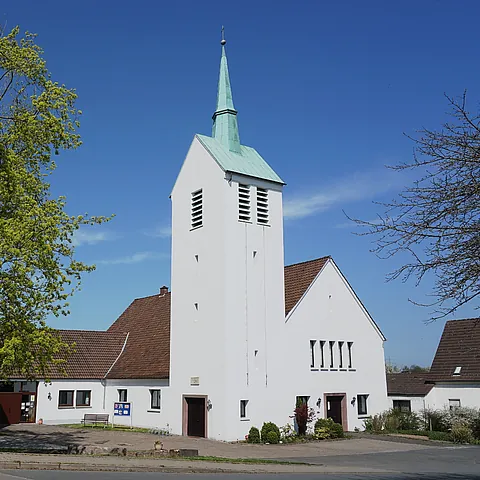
x=454, y=378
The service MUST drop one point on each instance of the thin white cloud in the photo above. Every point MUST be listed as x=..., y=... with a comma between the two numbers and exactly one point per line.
x=159, y=232
x=137, y=257
x=352, y=189
x=352, y=224
x=91, y=237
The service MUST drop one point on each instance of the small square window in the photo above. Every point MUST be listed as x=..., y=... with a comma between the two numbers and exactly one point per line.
x=65, y=398
x=122, y=395
x=362, y=404
x=155, y=398
x=83, y=398
x=457, y=370
x=404, y=406
x=454, y=403
x=243, y=408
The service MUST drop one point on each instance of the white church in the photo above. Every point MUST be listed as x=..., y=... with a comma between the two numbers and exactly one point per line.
x=240, y=338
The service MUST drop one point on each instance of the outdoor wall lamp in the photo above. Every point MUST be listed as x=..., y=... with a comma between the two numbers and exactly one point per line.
x=354, y=399
x=209, y=405
x=319, y=402
x=49, y=396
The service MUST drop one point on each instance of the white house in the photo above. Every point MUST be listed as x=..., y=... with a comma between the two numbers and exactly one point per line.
x=240, y=338
x=454, y=378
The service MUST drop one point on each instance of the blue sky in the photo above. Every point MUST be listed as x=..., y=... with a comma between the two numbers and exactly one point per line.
x=324, y=91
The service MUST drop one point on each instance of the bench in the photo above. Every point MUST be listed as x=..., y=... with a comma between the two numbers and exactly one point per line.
x=95, y=419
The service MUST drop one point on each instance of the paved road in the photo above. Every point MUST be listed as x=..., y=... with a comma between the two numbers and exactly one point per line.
x=46, y=475
x=449, y=460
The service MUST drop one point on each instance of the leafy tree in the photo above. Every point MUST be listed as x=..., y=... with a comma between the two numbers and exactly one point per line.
x=38, y=270
x=436, y=221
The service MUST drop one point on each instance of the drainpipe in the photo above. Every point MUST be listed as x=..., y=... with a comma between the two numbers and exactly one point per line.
x=103, y=381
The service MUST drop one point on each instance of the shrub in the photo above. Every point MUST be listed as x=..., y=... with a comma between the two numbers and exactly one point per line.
x=374, y=424
x=303, y=416
x=461, y=433
x=253, y=435
x=287, y=433
x=269, y=427
x=441, y=436
x=475, y=426
x=327, y=428
x=272, y=437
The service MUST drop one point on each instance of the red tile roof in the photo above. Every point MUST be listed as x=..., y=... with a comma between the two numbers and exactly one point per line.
x=407, y=383
x=93, y=354
x=458, y=347
x=298, y=278
x=147, y=353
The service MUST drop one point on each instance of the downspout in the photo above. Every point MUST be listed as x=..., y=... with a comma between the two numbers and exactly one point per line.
x=103, y=381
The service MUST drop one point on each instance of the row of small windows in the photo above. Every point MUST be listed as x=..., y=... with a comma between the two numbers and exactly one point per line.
x=339, y=354
x=83, y=398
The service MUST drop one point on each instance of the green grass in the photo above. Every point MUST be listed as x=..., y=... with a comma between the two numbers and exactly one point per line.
x=254, y=461
x=121, y=428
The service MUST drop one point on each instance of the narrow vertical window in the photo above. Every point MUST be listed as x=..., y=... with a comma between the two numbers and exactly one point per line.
x=312, y=353
x=350, y=358
x=262, y=206
x=122, y=395
x=332, y=345
x=243, y=408
x=155, y=398
x=340, y=354
x=362, y=404
x=197, y=209
x=244, y=214
x=322, y=353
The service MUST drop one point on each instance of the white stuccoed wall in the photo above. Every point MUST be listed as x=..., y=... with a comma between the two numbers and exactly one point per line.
x=468, y=393
x=138, y=394
x=50, y=413
x=417, y=403
x=331, y=312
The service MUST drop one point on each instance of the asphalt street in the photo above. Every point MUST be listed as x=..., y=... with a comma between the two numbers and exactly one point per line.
x=48, y=475
x=442, y=463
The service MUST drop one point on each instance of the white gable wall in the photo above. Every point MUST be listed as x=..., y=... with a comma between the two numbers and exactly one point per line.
x=329, y=311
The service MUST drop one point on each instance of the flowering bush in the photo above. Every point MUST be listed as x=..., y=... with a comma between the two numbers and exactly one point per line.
x=287, y=433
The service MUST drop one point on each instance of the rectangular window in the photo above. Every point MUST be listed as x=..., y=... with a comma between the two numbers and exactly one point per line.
x=243, y=408
x=340, y=354
x=155, y=399
x=362, y=404
x=122, y=395
x=244, y=214
x=262, y=206
x=404, y=406
x=83, y=398
x=65, y=398
x=454, y=403
x=197, y=209
x=350, y=348
x=322, y=353
x=312, y=353
x=302, y=400
x=332, y=345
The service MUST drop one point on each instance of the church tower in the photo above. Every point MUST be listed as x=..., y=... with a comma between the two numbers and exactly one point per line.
x=227, y=279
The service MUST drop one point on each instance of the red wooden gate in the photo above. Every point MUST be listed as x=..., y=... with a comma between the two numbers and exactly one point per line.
x=10, y=408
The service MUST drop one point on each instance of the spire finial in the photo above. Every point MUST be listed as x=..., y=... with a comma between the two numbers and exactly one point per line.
x=223, y=41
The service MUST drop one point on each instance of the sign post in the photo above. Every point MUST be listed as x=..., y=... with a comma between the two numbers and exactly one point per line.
x=123, y=409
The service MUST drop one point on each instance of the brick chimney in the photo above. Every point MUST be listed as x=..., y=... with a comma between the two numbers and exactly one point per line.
x=163, y=290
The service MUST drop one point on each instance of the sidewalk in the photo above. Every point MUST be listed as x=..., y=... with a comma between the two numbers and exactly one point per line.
x=14, y=461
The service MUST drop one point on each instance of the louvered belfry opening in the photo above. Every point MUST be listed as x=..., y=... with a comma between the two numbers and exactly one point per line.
x=244, y=210
x=197, y=209
x=262, y=206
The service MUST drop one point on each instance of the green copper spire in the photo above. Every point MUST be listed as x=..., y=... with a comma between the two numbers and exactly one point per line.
x=225, y=127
